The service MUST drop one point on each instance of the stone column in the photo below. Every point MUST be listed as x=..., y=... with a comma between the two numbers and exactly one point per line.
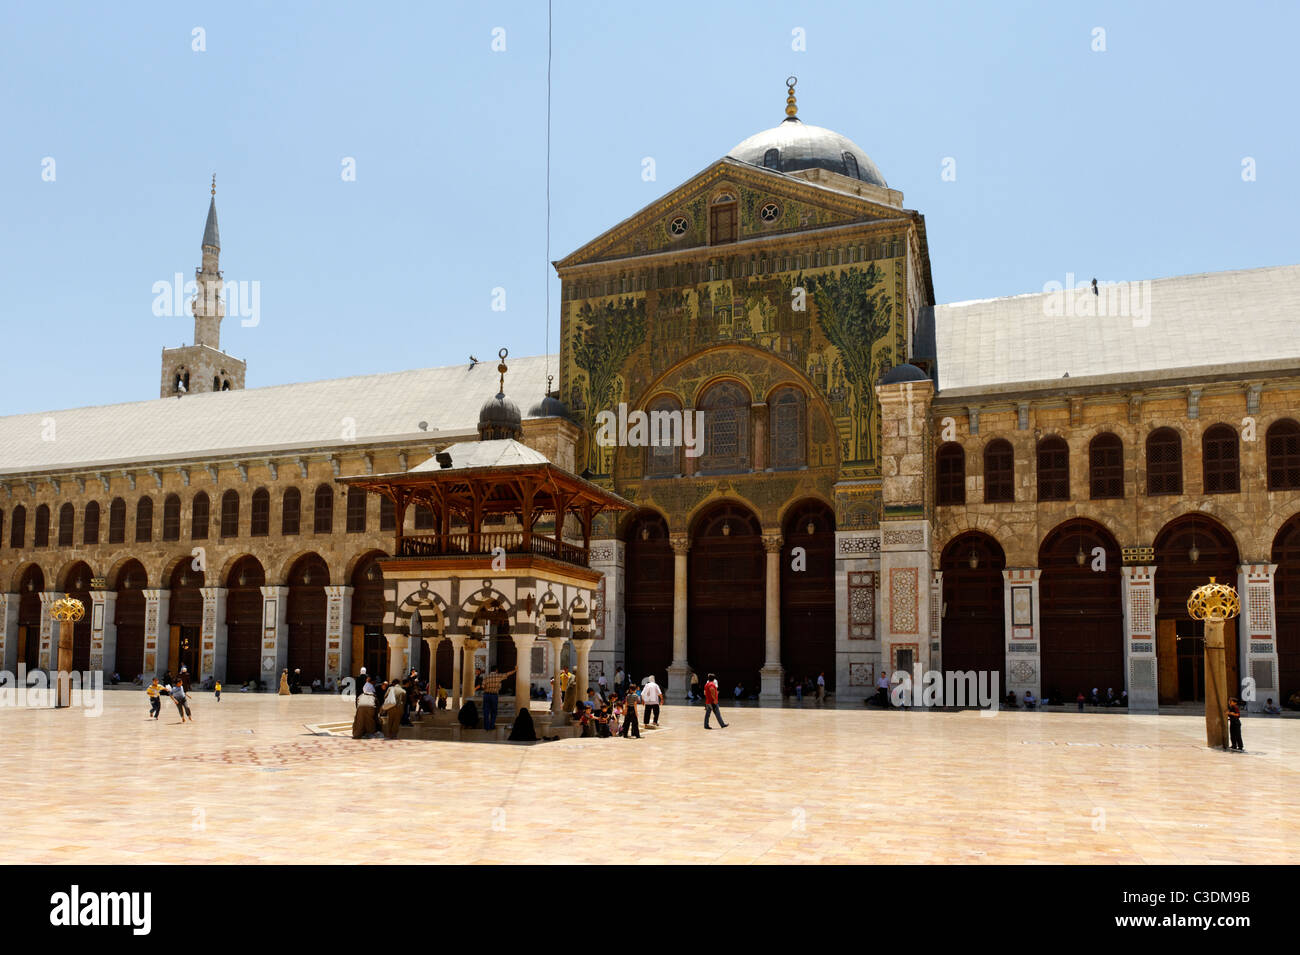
x=103, y=639
x=49, y=650
x=557, y=698
x=275, y=643
x=1141, y=675
x=936, y=619
x=758, y=415
x=399, y=648
x=338, y=636
x=9, y=632
x=772, y=671
x=467, y=677
x=64, y=677
x=1023, y=634
x=1216, y=685
x=582, y=645
x=212, y=635
x=457, y=666
x=1257, y=637
x=679, y=670
x=432, y=675
x=157, y=646
x=524, y=677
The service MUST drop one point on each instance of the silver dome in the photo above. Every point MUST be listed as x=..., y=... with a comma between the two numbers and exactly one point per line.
x=800, y=146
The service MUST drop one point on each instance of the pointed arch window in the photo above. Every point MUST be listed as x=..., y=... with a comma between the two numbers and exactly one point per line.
x=1105, y=467
x=726, y=428
x=171, y=528
x=259, y=524
x=230, y=514
x=787, y=412
x=117, y=521
x=67, y=518
x=1164, y=462
x=950, y=474
x=1282, y=448
x=90, y=523
x=200, y=509
x=144, y=520
x=323, y=511
x=291, y=512
x=1053, y=469
x=1220, y=460
x=999, y=472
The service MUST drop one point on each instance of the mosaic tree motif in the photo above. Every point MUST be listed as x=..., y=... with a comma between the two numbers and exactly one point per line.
x=606, y=336
x=854, y=312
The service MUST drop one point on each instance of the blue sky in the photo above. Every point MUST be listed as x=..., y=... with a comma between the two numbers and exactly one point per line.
x=1121, y=164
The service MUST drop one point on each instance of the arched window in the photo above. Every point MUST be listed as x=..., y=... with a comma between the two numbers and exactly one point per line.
x=387, y=514
x=260, y=520
x=424, y=517
x=41, y=534
x=772, y=159
x=90, y=524
x=1282, y=448
x=999, y=472
x=291, y=512
x=66, y=520
x=171, y=529
x=230, y=514
x=1105, y=466
x=200, y=508
x=1053, y=469
x=722, y=221
x=117, y=521
x=1220, y=460
x=323, y=519
x=787, y=437
x=1164, y=462
x=356, y=510
x=726, y=428
x=851, y=165
x=950, y=473
x=663, y=456
x=144, y=520
x=2, y=527
x=18, y=527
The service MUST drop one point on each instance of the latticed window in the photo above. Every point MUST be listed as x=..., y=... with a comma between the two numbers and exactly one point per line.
x=171, y=529
x=1106, y=467
x=999, y=472
x=1053, y=469
x=950, y=474
x=66, y=520
x=663, y=456
x=1164, y=462
x=291, y=512
x=1220, y=460
x=117, y=521
x=90, y=524
x=387, y=514
x=726, y=428
x=259, y=521
x=722, y=223
x=356, y=510
x=144, y=520
x=323, y=512
x=230, y=514
x=200, y=508
x=1282, y=447
x=424, y=517
x=787, y=442
x=41, y=534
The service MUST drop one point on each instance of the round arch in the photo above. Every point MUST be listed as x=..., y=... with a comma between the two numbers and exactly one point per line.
x=129, y=581
x=75, y=582
x=649, y=567
x=369, y=601
x=974, y=620
x=185, y=617
x=243, y=577
x=307, y=577
x=1286, y=589
x=29, y=582
x=808, y=591
x=726, y=581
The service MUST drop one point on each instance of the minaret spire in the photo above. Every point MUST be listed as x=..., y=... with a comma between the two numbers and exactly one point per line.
x=791, y=106
x=208, y=307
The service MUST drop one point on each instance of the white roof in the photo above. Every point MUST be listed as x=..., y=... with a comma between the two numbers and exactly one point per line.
x=312, y=415
x=1201, y=322
x=501, y=453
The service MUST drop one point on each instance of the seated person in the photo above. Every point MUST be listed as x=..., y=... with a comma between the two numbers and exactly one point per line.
x=1011, y=703
x=442, y=697
x=1271, y=708
x=1029, y=699
x=1094, y=698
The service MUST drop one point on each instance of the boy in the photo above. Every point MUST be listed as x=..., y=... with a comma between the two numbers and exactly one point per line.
x=154, y=692
x=218, y=690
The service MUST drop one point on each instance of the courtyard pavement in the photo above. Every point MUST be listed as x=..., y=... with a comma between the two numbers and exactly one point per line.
x=247, y=783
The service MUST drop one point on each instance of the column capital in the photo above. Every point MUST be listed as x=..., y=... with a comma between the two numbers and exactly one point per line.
x=773, y=542
x=680, y=543
x=212, y=591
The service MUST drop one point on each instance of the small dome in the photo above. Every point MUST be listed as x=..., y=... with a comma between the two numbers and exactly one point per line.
x=549, y=407
x=793, y=146
x=499, y=418
x=901, y=373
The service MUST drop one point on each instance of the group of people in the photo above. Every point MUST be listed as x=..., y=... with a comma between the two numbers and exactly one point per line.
x=178, y=692
x=607, y=715
x=383, y=706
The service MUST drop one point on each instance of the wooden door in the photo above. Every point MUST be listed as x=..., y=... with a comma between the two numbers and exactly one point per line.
x=1167, y=661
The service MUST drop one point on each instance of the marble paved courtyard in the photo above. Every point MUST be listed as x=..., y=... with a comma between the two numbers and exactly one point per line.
x=247, y=783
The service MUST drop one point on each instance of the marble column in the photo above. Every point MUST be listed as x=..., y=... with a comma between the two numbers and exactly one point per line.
x=399, y=646
x=467, y=676
x=432, y=675
x=557, y=698
x=1024, y=636
x=1141, y=674
x=457, y=666
x=772, y=672
x=1257, y=637
x=275, y=642
x=9, y=632
x=157, y=642
x=49, y=649
x=338, y=635
x=212, y=638
x=524, y=677
x=936, y=620
x=680, y=669
x=103, y=639
x=583, y=647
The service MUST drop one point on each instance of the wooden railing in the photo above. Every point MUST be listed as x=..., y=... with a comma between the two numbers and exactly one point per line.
x=512, y=542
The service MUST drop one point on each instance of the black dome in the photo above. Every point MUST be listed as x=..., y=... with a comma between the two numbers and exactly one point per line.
x=549, y=407
x=902, y=373
x=499, y=418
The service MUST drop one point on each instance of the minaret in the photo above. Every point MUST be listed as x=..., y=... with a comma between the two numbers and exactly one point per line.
x=203, y=366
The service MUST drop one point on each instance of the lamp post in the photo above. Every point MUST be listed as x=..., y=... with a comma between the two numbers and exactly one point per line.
x=1214, y=603
x=66, y=611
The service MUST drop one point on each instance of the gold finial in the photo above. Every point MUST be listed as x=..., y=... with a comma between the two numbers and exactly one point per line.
x=501, y=388
x=1213, y=601
x=214, y=185
x=791, y=107
x=67, y=609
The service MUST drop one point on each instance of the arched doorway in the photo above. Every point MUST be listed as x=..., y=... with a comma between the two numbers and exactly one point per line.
x=76, y=584
x=1189, y=551
x=369, y=645
x=244, y=621
x=648, y=597
x=974, y=622
x=808, y=595
x=1081, y=613
x=308, y=579
x=185, y=619
x=725, y=609
x=128, y=617
x=1286, y=590
x=30, y=588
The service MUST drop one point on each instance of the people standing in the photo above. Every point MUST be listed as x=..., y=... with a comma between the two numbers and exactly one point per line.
x=359, y=685
x=694, y=693
x=182, y=701
x=711, y=701
x=394, y=705
x=604, y=687
x=620, y=681
x=1234, y=724
x=630, y=725
x=284, y=682
x=491, y=696
x=154, y=692
x=218, y=691
x=652, y=696
x=821, y=687
x=882, y=688
x=363, y=721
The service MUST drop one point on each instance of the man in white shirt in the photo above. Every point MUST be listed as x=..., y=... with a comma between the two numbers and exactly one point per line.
x=600, y=682
x=651, y=697
x=821, y=687
x=882, y=688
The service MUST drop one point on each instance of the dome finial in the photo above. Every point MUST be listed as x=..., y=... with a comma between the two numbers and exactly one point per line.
x=501, y=388
x=791, y=107
x=214, y=185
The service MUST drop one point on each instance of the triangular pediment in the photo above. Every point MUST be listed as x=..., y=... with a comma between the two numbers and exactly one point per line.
x=798, y=206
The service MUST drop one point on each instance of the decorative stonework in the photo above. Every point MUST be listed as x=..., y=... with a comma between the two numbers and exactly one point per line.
x=860, y=674
x=903, y=598
x=1143, y=648
x=1022, y=648
x=862, y=605
x=600, y=555
x=913, y=537
x=860, y=545
x=1138, y=555
x=1023, y=671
